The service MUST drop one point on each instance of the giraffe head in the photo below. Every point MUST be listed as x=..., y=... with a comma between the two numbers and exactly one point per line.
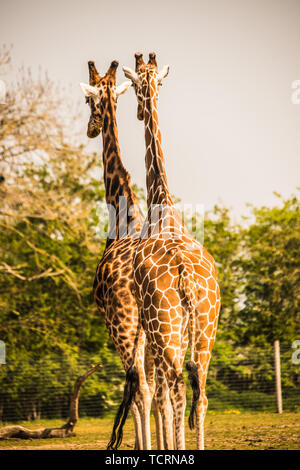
x=98, y=95
x=145, y=75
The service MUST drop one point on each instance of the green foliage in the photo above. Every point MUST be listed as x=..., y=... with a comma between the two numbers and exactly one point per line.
x=32, y=387
x=258, y=269
x=51, y=210
x=222, y=239
x=50, y=242
x=270, y=270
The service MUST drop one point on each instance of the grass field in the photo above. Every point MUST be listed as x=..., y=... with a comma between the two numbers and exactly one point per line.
x=224, y=431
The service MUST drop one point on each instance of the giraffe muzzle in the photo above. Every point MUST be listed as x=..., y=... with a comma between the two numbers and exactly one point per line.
x=91, y=133
x=94, y=128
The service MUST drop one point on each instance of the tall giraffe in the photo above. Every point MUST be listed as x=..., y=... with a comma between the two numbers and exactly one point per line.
x=175, y=278
x=113, y=284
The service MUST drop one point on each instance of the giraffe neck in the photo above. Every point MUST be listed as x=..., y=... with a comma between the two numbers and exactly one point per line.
x=124, y=212
x=156, y=180
x=157, y=186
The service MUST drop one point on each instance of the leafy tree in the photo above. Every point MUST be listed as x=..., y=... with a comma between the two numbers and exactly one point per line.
x=222, y=238
x=271, y=275
x=50, y=242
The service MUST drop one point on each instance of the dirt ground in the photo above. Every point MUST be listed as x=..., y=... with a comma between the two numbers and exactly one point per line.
x=223, y=431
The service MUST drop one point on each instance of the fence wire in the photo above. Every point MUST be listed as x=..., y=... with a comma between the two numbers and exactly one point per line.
x=41, y=388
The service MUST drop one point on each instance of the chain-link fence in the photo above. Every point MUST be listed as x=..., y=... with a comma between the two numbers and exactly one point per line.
x=246, y=381
x=41, y=388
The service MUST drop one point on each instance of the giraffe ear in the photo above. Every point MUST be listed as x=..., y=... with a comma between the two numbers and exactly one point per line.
x=122, y=88
x=163, y=73
x=89, y=90
x=133, y=76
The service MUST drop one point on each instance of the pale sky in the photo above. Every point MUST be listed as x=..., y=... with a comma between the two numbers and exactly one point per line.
x=230, y=133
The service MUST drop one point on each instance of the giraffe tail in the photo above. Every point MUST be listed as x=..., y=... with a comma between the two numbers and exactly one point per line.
x=189, y=304
x=194, y=381
x=192, y=368
x=130, y=390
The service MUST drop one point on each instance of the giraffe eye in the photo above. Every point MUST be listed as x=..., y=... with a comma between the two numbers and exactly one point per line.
x=87, y=100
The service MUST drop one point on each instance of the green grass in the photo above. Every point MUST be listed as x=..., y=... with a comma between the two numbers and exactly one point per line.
x=230, y=430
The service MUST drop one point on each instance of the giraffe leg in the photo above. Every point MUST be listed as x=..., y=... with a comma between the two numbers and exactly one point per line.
x=206, y=327
x=145, y=366
x=150, y=376
x=165, y=410
x=159, y=422
x=202, y=360
x=200, y=417
x=158, y=425
x=145, y=417
x=178, y=400
x=144, y=406
x=175, y=384
x=137, y=426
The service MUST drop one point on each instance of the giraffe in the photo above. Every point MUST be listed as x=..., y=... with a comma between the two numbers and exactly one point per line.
x=113, y=283
x=175, y=279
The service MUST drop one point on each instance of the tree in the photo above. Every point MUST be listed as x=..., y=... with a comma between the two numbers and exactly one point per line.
x=222, y=238
x=271, y=275
x=50, y=242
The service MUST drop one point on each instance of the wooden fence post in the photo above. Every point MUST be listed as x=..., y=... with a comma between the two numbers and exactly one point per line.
x=277, y=376
x=2, y=352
